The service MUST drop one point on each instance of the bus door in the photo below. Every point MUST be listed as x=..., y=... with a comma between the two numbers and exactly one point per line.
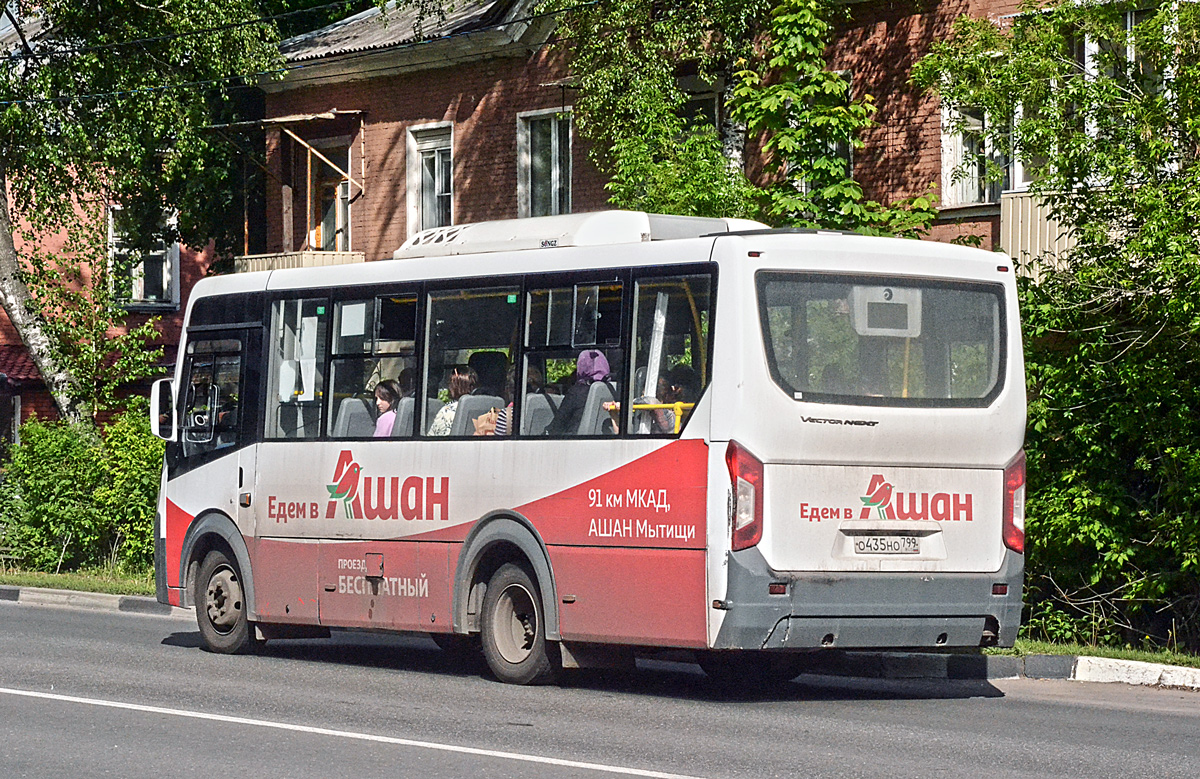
x=216, y=434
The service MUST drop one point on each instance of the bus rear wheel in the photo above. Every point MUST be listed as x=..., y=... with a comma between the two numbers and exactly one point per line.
x=514, y=631
x=221, y=607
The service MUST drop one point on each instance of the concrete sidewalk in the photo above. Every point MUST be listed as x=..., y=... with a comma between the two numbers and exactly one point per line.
x=870, y=665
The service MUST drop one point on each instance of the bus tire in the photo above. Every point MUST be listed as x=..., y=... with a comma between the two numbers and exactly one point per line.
x=514, y=629
x=221, y=607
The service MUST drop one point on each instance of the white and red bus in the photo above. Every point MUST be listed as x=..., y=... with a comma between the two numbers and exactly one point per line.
x=751, y=443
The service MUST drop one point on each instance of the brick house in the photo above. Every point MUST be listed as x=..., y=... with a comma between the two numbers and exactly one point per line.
x=371, y=137
x=912, y=145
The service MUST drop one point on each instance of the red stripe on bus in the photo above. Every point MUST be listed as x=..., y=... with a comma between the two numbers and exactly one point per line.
x=659, y=500
x=177, y=523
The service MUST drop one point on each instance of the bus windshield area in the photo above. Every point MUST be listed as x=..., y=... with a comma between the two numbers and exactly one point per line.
x=874, y=341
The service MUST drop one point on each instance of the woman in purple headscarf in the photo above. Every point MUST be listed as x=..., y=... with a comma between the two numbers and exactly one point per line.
x=591, y=367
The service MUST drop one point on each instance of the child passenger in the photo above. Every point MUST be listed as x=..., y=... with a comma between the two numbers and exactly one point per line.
x=387, y=396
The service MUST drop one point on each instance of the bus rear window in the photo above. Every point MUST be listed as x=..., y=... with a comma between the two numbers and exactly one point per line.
x=882, y=341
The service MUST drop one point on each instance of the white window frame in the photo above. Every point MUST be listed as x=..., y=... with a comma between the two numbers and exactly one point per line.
x=342, y=216
x=961, y=187
x=420, y=139
x=134, y=296
x=525, y=160
x=1020, y=174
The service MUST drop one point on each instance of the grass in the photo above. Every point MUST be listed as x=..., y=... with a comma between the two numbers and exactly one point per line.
x=102, y=580
x=1026, y=647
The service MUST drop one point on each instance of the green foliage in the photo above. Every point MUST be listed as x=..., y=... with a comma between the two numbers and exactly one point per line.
x=1113, y=327
x=47, y=508
x=72, y=499
x=133, y=459
x=629, y=57
x=694, y=179
x=809, y=123
x=77, y=291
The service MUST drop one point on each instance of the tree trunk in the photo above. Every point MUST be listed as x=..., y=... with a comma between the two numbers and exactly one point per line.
x=731, y=133
x=20, y=307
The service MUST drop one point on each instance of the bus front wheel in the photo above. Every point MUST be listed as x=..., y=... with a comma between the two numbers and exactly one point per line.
x=221, y=607
x=514, y=631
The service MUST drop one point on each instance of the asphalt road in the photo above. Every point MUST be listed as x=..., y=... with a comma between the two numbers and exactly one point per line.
x=87, y=694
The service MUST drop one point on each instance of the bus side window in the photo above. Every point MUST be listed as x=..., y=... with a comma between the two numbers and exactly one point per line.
x=671, y=342
x=562, y=325
x=373, y=341
x=296, y=384
x=471, y=332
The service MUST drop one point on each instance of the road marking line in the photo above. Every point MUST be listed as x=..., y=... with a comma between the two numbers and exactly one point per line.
x=405, y=742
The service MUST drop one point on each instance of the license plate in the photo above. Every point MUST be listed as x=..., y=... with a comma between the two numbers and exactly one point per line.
x=887, y=545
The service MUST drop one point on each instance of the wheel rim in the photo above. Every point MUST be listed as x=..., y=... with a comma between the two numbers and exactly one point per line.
x=223, y=601
x=516, y=623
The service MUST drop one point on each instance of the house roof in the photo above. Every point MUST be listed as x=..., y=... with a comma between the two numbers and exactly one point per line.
x=16, y=363
x=378, y=28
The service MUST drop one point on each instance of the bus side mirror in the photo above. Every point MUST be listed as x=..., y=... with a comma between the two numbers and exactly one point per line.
x=162, y=410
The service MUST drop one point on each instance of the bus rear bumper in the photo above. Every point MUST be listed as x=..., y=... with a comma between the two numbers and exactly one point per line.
x=869, y=610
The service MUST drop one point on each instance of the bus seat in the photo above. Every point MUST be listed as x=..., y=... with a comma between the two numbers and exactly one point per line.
x=354, y=419
x=595, y=417
x=402, y=427
x=471, y=407
x=538, y=412
x=492, y=368
x=432, y=407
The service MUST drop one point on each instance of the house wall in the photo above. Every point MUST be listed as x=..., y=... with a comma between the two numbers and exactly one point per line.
x=879, y=44
x=480, y=99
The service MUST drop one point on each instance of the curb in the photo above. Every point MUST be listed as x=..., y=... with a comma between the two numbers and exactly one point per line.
x=130, y=604
x=905, y=665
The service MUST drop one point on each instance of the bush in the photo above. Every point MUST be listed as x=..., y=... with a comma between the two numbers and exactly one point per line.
x=133, y=468
x=73, y=498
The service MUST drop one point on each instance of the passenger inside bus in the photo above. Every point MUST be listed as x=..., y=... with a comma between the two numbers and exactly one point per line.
x=462, y=382
x=406, y=383
x=590, y=368
x=678, y=385
x=490, y=367
x=387, y=397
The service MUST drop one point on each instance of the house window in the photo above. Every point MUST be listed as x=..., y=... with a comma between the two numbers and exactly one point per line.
x=430, y=177
x=544, y=148
x=329, y=200
x=972, y=173
x=143, y=277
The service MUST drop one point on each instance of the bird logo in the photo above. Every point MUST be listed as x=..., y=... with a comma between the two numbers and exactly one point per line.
x=345, y=486
x=879, y=497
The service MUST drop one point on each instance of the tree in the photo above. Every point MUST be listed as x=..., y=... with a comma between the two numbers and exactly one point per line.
x=767, y=60
x=1102, y=101
x=108, y=102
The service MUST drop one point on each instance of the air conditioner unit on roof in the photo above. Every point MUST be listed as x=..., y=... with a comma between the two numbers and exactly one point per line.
x=597, y=228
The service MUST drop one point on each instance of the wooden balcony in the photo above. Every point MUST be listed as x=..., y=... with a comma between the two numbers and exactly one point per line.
x=307, y=259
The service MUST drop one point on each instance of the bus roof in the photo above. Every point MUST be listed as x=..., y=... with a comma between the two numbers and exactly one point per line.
x=595, y=228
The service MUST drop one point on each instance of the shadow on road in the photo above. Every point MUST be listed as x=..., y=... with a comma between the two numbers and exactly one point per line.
x=414, y=653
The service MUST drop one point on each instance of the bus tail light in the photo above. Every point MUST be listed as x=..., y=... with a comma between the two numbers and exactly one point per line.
x=1014, y=505
x=746, y=477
